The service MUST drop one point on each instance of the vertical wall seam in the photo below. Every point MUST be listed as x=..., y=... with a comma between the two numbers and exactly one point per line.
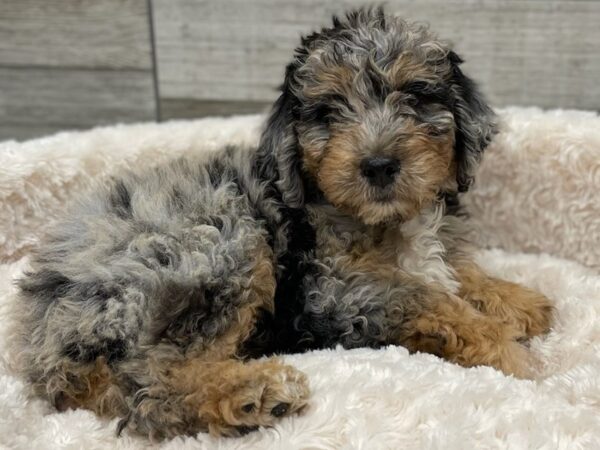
x=158, y=115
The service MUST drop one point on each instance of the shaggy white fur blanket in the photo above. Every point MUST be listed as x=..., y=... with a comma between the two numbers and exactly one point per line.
x=537, y=191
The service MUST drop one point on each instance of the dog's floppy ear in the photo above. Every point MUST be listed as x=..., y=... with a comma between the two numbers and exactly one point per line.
x=475, y=124
x=279, y=158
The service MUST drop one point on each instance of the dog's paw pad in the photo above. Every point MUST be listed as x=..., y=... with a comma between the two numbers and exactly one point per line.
x=280, y=409
x=245, y=429
x=249, y=407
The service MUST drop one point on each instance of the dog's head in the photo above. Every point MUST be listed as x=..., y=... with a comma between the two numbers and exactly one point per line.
x=378, y=115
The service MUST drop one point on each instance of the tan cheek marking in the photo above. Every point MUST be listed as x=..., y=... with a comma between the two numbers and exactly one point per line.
x=430, y=159
x=335, y=167
x=338, y=174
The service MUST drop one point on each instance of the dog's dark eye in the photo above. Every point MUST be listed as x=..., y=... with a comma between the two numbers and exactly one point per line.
x=328, y=109
x=423, y=92
x=323, y=114
x=315, y=114
x=416, y=87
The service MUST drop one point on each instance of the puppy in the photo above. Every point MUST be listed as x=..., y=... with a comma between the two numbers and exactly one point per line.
x=151, y=301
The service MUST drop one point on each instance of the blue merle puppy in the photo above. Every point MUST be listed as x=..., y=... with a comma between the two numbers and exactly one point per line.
x=152, y=301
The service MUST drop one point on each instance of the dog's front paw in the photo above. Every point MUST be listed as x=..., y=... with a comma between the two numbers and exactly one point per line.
x=538, y=314
x=527, y=310
x=266, y=393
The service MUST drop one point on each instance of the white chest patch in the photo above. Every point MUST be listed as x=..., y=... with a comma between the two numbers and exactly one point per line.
x=421, y=252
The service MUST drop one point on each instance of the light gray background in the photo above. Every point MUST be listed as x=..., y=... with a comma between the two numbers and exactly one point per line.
x=68, y=64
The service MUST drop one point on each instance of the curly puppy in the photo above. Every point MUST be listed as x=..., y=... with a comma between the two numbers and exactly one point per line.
x=150, y=301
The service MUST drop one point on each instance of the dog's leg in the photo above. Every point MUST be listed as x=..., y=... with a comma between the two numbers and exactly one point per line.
x=225, y=398
x=228, y=397
x=529, y=311
x=453, y=329
x=210, y=389
x=395, y=308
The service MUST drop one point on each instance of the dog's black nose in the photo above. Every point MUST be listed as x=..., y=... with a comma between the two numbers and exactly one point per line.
x=379, y=171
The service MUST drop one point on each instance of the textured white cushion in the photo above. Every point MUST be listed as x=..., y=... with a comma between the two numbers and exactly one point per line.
x=538, y=189
x=537, y=192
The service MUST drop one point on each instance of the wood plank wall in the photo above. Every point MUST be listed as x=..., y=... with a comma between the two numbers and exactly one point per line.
x=68, y=64
x=78, y=63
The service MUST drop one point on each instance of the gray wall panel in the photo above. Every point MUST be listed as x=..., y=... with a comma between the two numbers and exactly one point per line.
x=529, y=52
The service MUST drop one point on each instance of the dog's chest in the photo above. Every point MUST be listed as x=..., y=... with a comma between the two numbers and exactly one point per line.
x=416, y=247
x=422, y=253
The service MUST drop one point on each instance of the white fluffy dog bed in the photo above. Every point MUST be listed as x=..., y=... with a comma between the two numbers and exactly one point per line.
x=538, y=192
